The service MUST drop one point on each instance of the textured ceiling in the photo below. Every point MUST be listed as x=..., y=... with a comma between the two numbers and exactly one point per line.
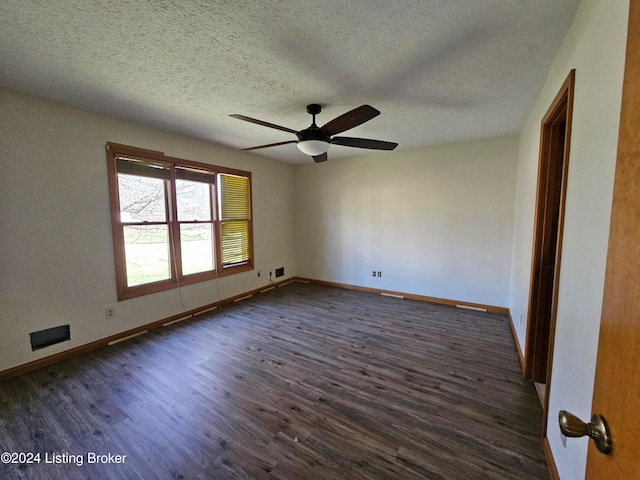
x=440, y=71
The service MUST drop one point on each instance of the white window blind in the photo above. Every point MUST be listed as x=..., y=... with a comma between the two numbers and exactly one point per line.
x=235, y=215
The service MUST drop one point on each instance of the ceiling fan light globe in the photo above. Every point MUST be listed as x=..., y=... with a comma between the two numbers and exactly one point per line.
x=313, y=147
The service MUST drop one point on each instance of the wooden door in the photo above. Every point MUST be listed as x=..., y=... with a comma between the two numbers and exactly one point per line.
x=617, y=387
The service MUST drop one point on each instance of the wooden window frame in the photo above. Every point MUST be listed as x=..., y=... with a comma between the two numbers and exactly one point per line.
x=177, y=279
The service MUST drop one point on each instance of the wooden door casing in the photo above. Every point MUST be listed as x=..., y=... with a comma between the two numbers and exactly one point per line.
x=555, y=140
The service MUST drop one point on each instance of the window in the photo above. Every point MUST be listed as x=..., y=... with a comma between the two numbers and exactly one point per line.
x=176, y=222
x=235, y=218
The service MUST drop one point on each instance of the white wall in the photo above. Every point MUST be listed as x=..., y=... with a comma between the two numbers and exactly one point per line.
x=56, y=250
x=435, y=221
x=595, y=47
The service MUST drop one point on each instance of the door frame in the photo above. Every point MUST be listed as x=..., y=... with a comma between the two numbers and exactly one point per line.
x=539, y=350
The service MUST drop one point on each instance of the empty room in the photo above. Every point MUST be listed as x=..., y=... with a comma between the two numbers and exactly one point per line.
x=319, y=239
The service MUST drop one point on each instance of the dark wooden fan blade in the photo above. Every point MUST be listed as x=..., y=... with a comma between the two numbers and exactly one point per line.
x=320, y=158
x=351, y=119
x=270, y=145
x=364, y=143
x=260, y=122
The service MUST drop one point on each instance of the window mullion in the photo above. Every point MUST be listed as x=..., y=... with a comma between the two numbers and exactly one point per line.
x=174, y=228
x=216, y=223
x=214, y=236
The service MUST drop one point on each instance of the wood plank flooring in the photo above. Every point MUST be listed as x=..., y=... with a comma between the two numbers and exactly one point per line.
x=302, y=382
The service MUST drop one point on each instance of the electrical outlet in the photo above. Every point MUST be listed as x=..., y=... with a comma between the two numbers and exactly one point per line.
x=374, y=273
x=379, y=274
x=109, y=313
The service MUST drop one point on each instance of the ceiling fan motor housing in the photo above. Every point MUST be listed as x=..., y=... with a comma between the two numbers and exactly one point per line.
x=313, y=133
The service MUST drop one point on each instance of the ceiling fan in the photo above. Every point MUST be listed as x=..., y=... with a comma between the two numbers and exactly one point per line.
x=315, y=141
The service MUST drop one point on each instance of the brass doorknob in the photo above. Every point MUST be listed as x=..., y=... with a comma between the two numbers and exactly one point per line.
x=597, y=429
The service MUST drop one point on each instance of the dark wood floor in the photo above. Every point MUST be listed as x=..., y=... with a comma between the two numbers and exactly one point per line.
x=302, y=382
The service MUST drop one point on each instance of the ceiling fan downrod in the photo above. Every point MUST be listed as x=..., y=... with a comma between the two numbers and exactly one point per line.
x=314, y=109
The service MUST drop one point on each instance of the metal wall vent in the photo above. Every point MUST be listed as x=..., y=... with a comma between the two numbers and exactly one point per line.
x=50, y=336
